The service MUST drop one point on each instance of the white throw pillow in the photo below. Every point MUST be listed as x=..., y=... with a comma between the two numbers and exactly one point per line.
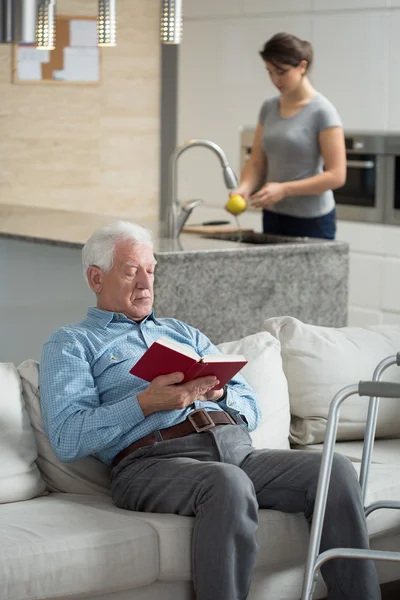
x=265, y=375
x=19, y=475
x=319, y=361
x=83, y=476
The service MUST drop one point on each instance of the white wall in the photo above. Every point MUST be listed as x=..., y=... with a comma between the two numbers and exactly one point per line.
x=374, y=281
x=223, y=83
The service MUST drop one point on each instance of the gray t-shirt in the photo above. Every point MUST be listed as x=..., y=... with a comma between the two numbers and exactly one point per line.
x=293, y=153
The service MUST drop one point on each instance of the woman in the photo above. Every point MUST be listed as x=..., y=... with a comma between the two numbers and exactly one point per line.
x=298, y=144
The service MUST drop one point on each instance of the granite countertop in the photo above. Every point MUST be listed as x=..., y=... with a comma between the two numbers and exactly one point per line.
x=72, y=229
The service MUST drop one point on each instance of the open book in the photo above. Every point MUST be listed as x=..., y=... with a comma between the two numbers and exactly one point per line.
x=165, y=356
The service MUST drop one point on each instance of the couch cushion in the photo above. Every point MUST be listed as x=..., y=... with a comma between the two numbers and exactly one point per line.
x=383, y=484
x=386, y=452
x=19, y=475
x=265, y=375
x=282, y=538
x=319, y=361
x=84, y=476
x=61, y=545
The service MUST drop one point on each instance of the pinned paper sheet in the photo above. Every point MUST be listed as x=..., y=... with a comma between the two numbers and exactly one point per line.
x=83, y=33
x=59, y=75
x=29, y=70
x=30, y=61
x=81, y=64
x=27, y=54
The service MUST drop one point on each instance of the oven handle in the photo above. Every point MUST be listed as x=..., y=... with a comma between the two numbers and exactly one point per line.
x=361, y=164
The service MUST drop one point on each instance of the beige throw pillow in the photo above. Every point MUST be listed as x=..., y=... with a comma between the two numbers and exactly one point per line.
x=19, y=475
x=83, y=476
x=319, y=361
x=265, y=375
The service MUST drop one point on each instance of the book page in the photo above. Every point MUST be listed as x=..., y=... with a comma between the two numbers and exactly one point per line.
x=223, y=358
x=178, y=347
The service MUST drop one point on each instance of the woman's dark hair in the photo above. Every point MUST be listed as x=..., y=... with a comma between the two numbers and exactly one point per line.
x=287, y=49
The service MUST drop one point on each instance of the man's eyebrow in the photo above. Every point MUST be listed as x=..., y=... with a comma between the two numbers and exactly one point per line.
x=131, y=264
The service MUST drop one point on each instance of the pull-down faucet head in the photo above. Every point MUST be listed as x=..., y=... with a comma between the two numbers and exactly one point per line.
x=176, y=220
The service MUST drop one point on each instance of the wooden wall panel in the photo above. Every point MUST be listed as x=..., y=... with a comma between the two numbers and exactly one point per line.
x=88, y=148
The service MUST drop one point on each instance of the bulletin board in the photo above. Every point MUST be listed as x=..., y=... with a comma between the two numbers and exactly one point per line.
x=76, y=58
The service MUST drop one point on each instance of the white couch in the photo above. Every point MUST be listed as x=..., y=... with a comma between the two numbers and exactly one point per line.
x=61, y=537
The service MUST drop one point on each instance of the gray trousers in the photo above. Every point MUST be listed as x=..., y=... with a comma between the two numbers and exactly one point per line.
x=221, y=480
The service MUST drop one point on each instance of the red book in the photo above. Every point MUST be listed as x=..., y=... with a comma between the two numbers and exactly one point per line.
x=165, y=356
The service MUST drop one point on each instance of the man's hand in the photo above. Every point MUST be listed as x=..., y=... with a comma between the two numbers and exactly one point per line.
x=168, y=393
x=213, y=395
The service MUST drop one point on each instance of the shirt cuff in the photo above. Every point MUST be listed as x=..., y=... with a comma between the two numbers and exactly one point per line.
x=234, y=405
x=224, y=395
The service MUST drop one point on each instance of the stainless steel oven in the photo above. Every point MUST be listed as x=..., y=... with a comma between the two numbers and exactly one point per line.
x=392, y=201
x=362, y=198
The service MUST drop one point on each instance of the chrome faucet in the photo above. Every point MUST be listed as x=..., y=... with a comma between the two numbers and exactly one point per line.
x=177, y=218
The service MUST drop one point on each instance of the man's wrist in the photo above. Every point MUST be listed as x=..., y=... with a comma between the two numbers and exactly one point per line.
x=143, y=403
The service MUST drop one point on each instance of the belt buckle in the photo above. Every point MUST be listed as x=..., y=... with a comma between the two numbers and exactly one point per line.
x=201, y=428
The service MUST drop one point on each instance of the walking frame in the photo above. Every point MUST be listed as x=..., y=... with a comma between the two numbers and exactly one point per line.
x=375, y=389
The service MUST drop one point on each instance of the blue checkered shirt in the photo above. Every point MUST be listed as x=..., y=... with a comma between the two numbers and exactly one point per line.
x=89, y=398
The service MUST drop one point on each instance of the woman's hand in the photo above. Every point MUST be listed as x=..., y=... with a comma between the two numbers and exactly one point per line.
x=242, y=190
x=269, y=194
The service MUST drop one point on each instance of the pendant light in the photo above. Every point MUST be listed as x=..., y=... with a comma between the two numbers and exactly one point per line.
x=107, y=23
x=46, y=25
x=18, y=21
x=171, y=22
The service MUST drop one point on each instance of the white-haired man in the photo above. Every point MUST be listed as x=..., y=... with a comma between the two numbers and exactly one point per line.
x=160, y=462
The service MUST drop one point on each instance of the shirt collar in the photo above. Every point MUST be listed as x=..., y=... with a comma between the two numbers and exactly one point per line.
x=102, y=318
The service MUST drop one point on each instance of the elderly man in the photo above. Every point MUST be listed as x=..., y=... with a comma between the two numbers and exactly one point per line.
x=160, y=461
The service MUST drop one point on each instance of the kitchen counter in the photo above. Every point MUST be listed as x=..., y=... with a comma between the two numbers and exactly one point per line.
x=225, y=289
x=72, y=229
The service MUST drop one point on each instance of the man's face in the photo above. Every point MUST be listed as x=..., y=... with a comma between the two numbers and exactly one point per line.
x=128, y=287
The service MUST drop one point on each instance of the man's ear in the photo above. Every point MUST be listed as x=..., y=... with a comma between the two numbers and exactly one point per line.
x=95, y=277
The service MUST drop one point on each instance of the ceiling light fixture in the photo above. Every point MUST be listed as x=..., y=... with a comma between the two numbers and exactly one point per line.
x=46, y=25
x=107, y=23
x=171, y=22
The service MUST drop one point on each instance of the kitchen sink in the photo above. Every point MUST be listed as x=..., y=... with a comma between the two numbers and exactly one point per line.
x=255, y=238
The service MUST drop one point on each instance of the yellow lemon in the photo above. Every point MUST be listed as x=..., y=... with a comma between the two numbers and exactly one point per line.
x=236, y=204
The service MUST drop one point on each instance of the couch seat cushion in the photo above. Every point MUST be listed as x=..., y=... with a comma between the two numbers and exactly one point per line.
x=385, y=452
x=282, y=538
x=62, y=544
x=383, y=484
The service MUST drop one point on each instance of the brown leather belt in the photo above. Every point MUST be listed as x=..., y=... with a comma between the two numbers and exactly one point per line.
x=198, y=421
